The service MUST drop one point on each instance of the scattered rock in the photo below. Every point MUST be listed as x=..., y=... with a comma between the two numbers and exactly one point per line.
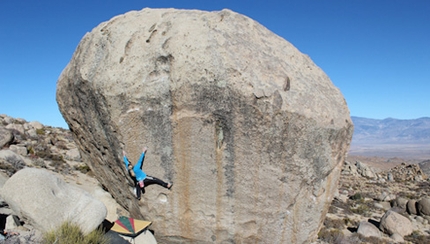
x=423, y=206
x=383, y=205
x=73, y=155
x=358, y=169
x=407, y=172
x=386, y=197
x=19, y=150
x=17, y=127
x=6, y=137
x=368, y=229
x=411, y=207
x=36, y=125
x=390, y=177
x=397, y=238
x=400, y=202
x=11, y=162
x=31, y=192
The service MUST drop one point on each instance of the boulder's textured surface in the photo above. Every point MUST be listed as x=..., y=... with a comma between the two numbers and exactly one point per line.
x=46, y=201
x=393, y=222
x=252, y=133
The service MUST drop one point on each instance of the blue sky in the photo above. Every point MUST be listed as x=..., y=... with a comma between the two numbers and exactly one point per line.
x=377, y=52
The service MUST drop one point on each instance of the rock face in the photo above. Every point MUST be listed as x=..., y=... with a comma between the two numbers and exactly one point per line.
x=46, y=201
x=252, y=133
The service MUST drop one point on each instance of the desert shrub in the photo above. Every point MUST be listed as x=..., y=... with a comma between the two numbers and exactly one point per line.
x=356, y=196
x=31, y=150
x=59, y=164
x=69, y=233
x=331, y=235
x=83, y=168
x=40, y=131
x=57, y=161
x=334, y=223
x=361, y=209
x=11, y=165
x=61, y=145
x=337, y=205
x=350, y=222
x=333, y=209
x=358, y=238
x=42, y=151
x=38, y=162
x=374, y=240
x=418, y=238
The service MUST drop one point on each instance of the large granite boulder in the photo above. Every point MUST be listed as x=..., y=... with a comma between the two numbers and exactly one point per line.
x=45, y=201
x=252, y=133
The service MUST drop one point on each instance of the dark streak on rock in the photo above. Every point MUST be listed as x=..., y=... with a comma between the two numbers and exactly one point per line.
x=287, y=84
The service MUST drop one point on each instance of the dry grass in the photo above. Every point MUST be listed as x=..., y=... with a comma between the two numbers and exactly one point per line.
x=68, y=233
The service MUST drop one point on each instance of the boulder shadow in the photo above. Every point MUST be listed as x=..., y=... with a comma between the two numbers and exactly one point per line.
x=374, y=222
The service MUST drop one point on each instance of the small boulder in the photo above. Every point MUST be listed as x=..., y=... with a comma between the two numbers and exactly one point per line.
x=6, y=137
x=349, y=169
x=419, y=219
x=73, y=155
x=386, y=197
x=45, y=201
x=411, y=207
x=423, y=206
x=390, y=177
x=21, y=150
x=32, y=133
x=365, y=170
x=36, y=125
x=17, y=127
x=393, y=222
x=11, y=161
x=400, y=202
x=397, y=238
x=382, y=205
x=368, y=229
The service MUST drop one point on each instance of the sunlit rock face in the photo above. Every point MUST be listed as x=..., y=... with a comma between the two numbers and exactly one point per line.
x=250, y=131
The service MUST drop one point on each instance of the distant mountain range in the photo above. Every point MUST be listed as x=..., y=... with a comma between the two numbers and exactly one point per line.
x=391, y=137
x=391, y=131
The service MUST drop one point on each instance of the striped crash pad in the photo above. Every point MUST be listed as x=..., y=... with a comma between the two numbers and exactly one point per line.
x=129, y=226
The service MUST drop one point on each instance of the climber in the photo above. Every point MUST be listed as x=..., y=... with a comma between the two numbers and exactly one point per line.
x=140, y=178
x=6, y=234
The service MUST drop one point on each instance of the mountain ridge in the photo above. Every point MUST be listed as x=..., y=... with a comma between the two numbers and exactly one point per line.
x=405, y=138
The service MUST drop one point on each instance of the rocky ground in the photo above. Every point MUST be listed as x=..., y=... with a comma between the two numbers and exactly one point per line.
x=367, y=193
x=370, y=189
x=31, y=144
